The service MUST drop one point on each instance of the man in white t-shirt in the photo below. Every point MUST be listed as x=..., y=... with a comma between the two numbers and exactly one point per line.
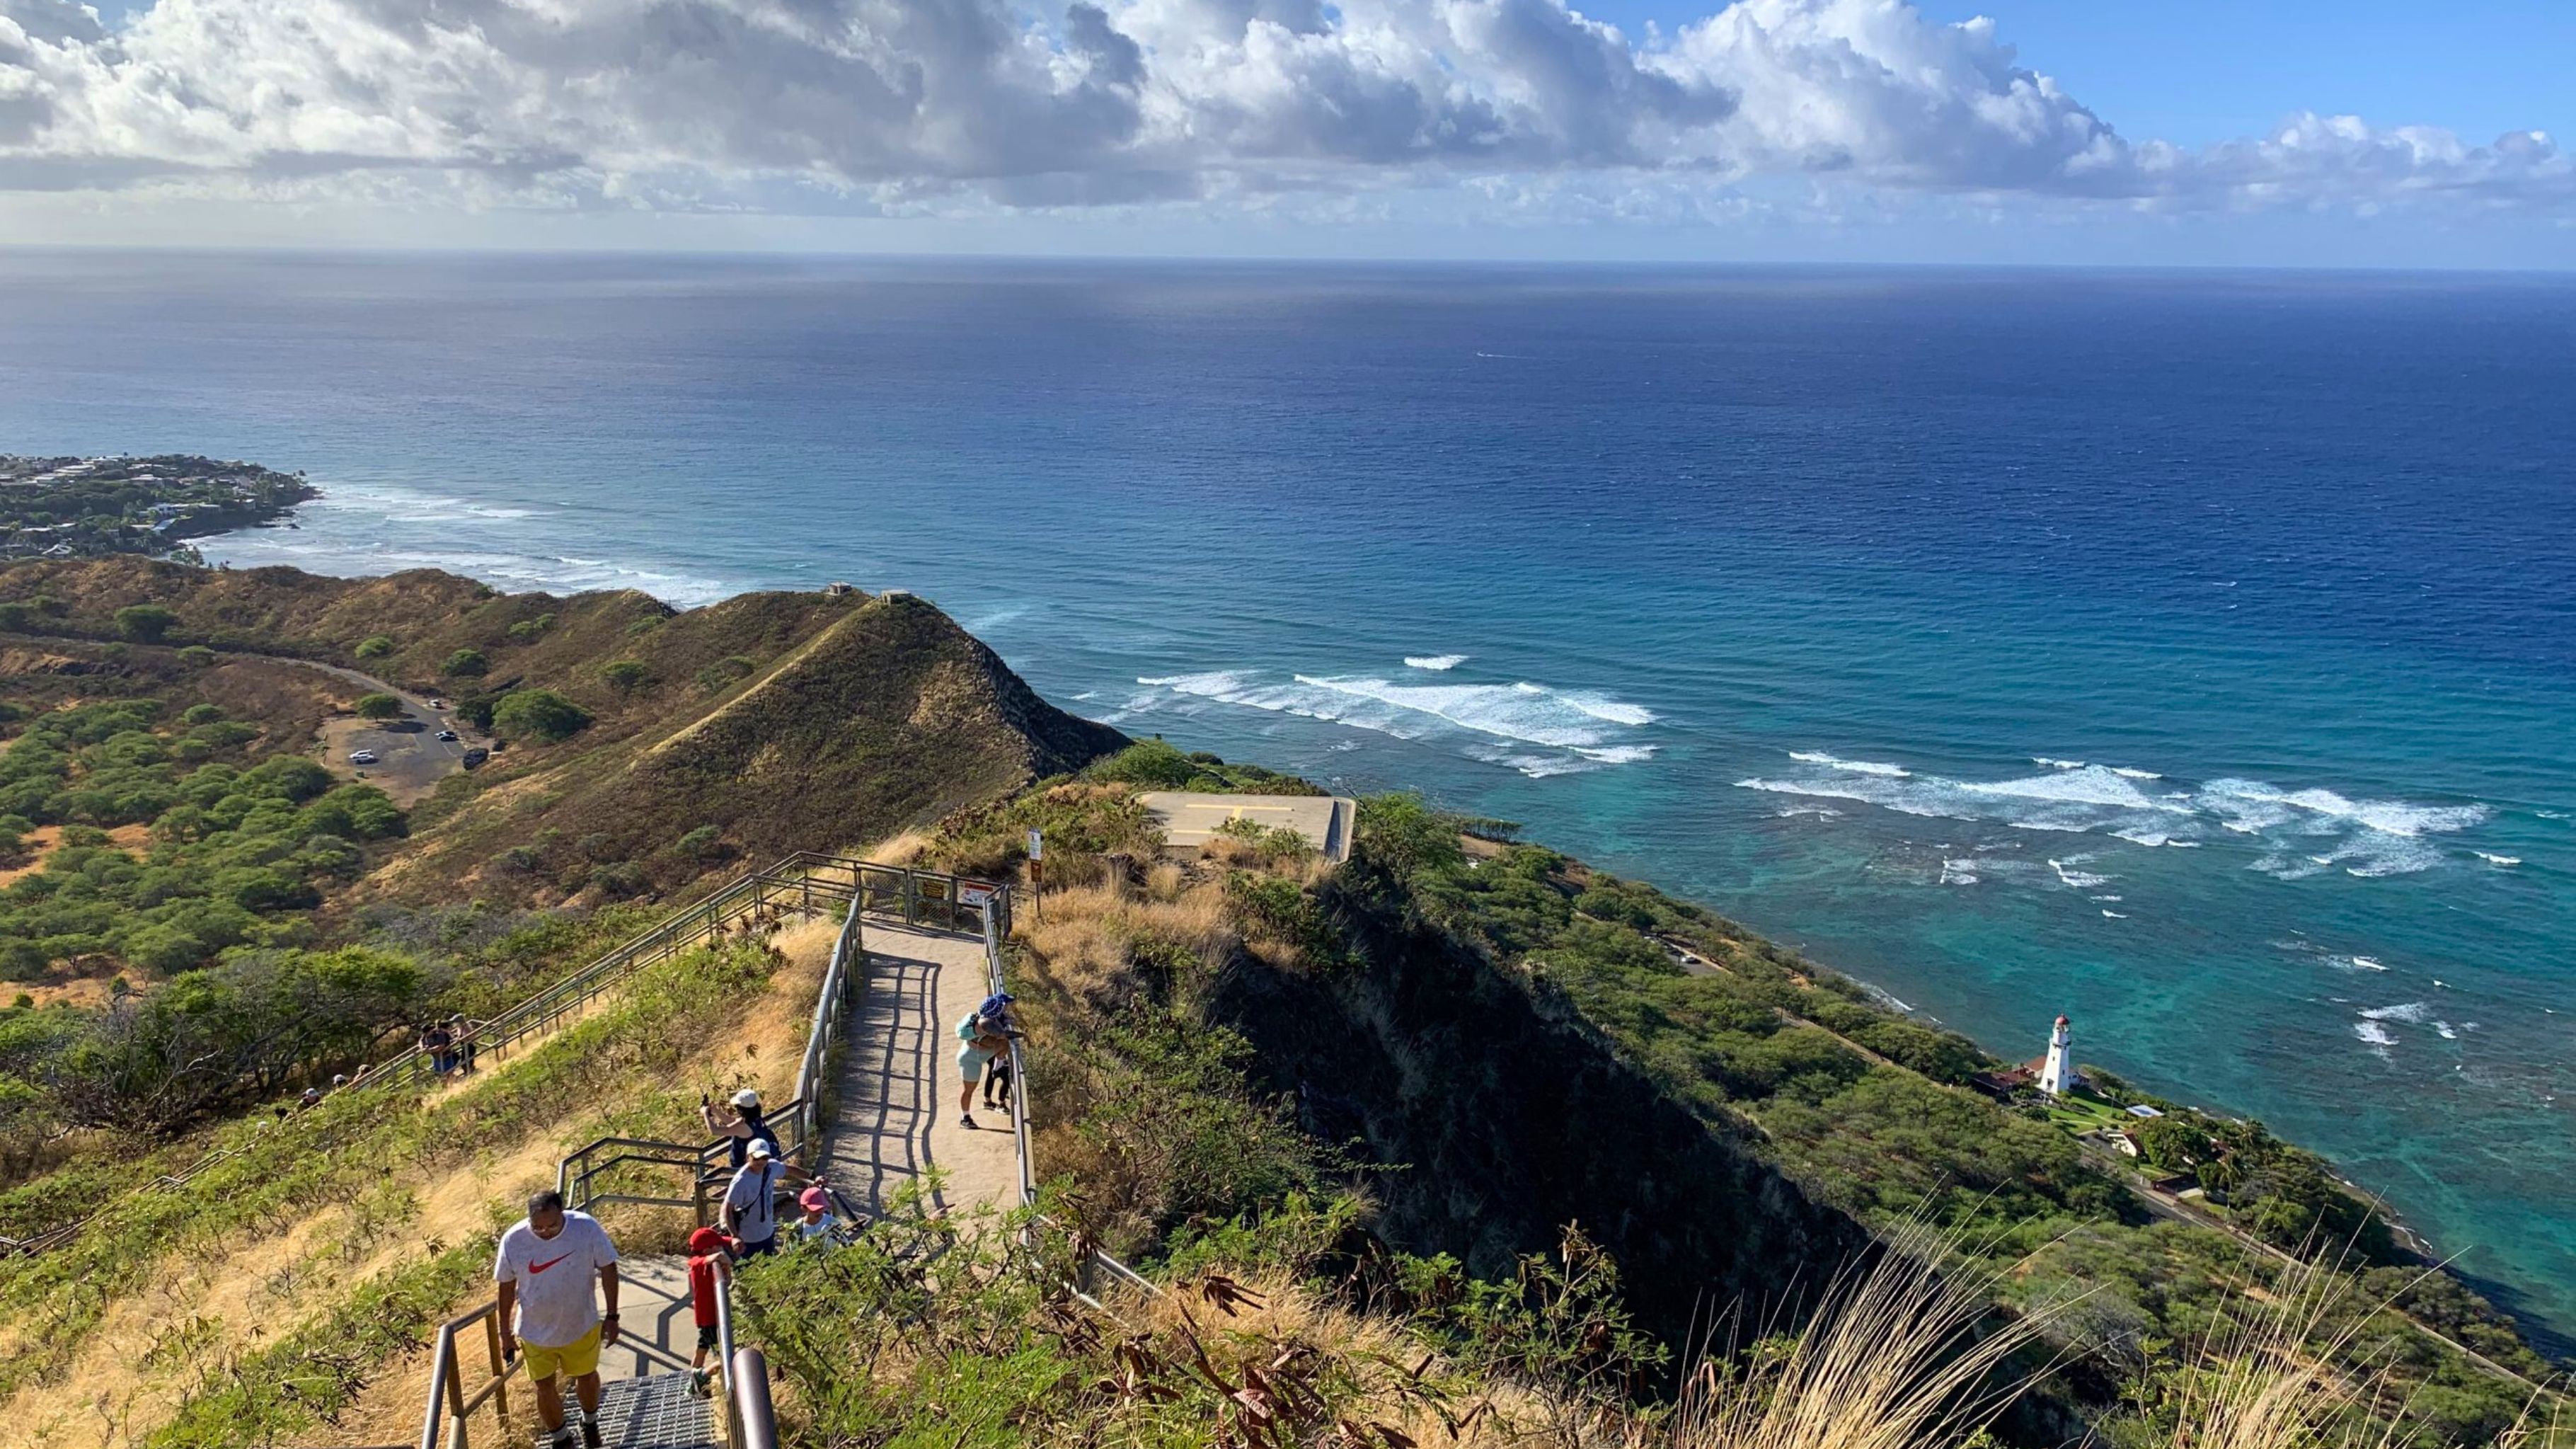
x=545, y=1268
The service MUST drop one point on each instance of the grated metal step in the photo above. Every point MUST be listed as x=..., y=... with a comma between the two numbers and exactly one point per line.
x=654, y=1413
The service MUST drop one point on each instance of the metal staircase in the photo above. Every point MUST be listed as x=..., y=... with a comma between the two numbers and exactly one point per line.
x=658, y=1410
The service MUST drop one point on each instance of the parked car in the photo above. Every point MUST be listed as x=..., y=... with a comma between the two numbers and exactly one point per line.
x=476, y=756
x=438, y=704
x=362, y=757
x=449, y=735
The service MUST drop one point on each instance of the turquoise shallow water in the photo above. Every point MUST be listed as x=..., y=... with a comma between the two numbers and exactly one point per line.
x=2191, y=654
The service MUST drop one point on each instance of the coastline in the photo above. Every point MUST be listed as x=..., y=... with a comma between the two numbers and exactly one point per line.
x=2536, y=1327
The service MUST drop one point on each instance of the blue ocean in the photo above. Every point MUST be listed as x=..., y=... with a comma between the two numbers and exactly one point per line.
x=2194, y=654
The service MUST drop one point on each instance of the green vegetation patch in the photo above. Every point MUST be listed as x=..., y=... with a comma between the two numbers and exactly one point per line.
x=236, y=851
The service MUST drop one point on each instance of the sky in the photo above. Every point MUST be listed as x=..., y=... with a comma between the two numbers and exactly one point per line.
x=2159, y=132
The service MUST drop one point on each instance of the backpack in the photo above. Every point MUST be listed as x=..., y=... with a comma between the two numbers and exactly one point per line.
x=970, y=1026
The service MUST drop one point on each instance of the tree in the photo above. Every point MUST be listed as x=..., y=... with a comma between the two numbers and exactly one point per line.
x=145, y=622
x=465, y=664
x=625, y=676
x=538, y=714
x=378, y=706
x=374, y=646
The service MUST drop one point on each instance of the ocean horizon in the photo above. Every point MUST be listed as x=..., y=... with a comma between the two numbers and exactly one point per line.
x=2191, y=653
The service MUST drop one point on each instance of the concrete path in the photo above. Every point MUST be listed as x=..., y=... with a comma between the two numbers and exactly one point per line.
x=896, y=1116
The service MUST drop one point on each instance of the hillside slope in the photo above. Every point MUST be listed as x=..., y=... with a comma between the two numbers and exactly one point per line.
x=765, y=723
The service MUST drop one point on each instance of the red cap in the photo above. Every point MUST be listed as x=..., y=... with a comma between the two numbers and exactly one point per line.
x=704, y=1242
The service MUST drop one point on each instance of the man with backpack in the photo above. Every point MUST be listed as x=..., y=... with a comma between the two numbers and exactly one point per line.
x=749, y=1215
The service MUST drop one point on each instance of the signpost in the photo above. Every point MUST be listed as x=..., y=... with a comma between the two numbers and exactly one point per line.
x=1037, y=887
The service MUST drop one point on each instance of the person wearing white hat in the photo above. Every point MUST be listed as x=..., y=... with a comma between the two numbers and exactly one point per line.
x=740, y=1130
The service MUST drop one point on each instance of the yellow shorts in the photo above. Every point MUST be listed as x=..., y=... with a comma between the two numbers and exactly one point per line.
x=572, y=1360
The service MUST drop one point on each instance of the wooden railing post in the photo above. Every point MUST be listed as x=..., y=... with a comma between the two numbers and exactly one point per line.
x=455, y=1404
x=500, y=1371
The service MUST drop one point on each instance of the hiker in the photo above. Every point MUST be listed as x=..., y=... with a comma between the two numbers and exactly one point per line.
x=996, y=1011
x=982, y=1044
x=818, y=1221
x=749, y=1215
x=545, y=1268
x=433, y=1044
x=744, y=1127
x=467, y=1036
x=708, y=1256
x=996, y=1014
x=312, y=1098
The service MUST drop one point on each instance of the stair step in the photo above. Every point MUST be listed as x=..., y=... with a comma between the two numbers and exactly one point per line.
x=659, y=1412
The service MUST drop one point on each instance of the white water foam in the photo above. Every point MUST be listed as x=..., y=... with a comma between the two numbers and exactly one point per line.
x=2303, y=832
x=2113, y=916
x=2376, y=1035
x=2413, y=1013
x=1588, y=729
x=1853, y=767
x=1436, y=663
x=2078, y=879
x=2497, y=859
x=2362, y=963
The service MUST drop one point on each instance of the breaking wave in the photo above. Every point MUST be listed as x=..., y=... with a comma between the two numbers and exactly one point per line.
x=1544, y=731
x=2300, y=832
x=1856, y=767
x=1437, y=663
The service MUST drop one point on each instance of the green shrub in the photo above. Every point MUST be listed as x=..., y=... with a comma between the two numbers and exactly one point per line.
x=704, y=843
x=1148, y=764
x=15, y=617
x=466, y=664
x=378, y=706
x=624, y=675
x=374, y=646
x=197, y=656
x=538, y=714
x=146, y=623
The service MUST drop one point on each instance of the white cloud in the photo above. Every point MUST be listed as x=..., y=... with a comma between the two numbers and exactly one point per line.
x=861, y=105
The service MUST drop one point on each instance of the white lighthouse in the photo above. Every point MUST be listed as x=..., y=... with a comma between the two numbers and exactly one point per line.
x=2059, y=1073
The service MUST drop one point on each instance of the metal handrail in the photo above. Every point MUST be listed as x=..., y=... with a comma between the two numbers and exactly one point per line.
x=997, y=926
x=866, y=886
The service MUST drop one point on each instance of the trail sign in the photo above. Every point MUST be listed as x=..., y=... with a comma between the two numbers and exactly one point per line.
x=1037, y=845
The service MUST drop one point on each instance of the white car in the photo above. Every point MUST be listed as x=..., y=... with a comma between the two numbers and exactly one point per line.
x=362, y=757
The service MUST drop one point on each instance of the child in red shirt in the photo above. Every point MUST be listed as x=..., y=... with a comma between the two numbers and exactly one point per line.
x=707, y=1249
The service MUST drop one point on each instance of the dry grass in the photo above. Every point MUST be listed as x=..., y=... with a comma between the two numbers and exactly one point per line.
x=1901, y=1354
x=1248, y=1329
x=903, y=849
x=2278, y=1380
x=1082, y=941
x=119, y=1388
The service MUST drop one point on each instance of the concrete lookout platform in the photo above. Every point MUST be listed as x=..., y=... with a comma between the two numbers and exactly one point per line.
x=1189, y=819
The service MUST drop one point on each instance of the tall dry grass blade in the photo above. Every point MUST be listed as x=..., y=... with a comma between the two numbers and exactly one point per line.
x=1902, y=1353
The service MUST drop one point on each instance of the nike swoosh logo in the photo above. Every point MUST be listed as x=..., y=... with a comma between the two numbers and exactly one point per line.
x=536, y=1268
